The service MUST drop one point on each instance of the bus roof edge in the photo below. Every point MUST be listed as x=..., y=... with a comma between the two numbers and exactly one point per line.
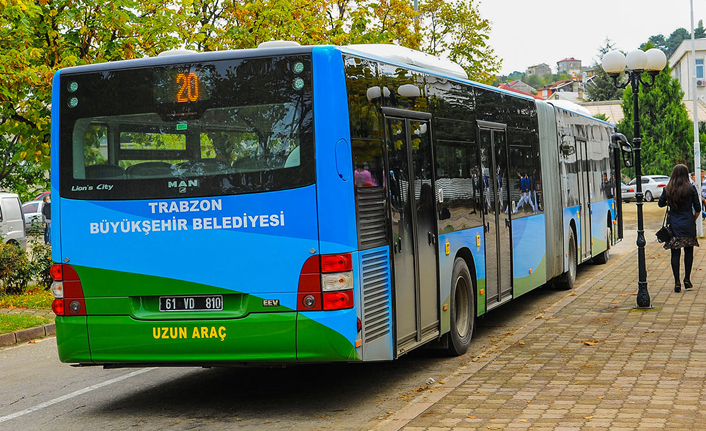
x=412, y=57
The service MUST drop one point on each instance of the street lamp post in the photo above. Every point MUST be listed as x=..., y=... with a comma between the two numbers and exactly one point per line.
x=637, y=62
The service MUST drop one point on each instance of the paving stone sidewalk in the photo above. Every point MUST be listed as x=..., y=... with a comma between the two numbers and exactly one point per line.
x=31, y=333
x=591, y=361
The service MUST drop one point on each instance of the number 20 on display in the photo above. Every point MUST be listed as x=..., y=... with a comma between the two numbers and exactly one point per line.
x=188, y=87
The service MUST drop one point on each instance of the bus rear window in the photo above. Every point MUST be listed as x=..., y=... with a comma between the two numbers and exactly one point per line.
x=247, y=128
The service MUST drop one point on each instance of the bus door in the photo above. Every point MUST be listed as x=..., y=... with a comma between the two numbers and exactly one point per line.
x=414, y=229
x=584, y=198
x=498, y=248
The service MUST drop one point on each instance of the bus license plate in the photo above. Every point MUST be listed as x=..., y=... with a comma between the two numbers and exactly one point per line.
x=191, y=303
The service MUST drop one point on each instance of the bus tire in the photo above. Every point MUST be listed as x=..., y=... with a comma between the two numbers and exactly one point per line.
x=463, y=310
x=567, y=279
x=603, y=258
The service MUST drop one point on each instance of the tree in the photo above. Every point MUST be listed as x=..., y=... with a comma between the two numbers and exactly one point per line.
x=602, y=86
x=39, y=37
x=675, y=39
x=699, y=31
x=458, y=30
x=665, y=128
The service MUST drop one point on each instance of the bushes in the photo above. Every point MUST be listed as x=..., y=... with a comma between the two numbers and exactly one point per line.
x=18, y=269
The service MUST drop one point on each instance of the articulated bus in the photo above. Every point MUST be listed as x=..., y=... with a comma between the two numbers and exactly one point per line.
x=300, y=204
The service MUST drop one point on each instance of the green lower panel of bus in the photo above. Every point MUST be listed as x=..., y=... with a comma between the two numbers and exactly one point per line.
x=316, y=342
x=260, y=337
x=72, y=339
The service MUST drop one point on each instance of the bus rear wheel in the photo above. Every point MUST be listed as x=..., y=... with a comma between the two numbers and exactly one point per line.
x=463, y=309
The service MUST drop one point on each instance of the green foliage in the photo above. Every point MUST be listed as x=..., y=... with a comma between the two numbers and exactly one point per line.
x=602, y=87
x=41, y=264
x=670, y=44
x=457, y=28
x=27, y=180
x=38, y=37
x=17, y=269
x=33, y=298
x=603, y=117
x=665, y=128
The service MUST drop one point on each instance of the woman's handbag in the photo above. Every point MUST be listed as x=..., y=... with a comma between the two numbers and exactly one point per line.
x=664, y=234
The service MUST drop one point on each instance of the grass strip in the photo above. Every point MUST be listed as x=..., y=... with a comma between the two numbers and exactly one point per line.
x=16, y=322
x=32, y=299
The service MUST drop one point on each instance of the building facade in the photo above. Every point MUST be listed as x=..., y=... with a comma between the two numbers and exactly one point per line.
x=571, y=66
x=539, y=70
x=688, y=69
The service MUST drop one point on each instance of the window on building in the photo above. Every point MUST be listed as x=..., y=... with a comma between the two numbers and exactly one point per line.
x=700, y=68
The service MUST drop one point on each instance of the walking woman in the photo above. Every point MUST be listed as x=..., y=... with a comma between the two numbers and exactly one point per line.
x=683, y=210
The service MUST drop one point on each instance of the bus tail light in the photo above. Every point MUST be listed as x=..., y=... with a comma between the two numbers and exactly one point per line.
x=336, y=263
x=309, y=293
x=67, y=291
x=326, y=283
x=338, y=300
x=337, y=281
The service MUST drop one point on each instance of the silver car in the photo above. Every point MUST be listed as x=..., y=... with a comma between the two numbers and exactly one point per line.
x=652, y=188
x=32, y=210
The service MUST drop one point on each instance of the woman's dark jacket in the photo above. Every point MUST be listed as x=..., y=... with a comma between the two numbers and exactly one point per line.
x=682, y=219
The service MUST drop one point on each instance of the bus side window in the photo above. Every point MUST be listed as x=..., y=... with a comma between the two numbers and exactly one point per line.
x=457, y=176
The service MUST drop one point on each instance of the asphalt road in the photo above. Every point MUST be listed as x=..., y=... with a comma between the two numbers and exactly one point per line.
x=37, y=392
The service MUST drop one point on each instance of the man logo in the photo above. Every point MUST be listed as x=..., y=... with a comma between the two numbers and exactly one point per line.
x=182, y=185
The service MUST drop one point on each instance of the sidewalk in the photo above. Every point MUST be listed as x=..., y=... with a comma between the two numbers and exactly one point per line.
x=590, y=361
x=31, y=333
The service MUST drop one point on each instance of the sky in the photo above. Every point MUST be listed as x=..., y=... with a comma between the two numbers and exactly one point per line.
x=529, y=32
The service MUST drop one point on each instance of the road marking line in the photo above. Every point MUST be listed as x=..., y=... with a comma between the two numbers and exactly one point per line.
x=73, y=395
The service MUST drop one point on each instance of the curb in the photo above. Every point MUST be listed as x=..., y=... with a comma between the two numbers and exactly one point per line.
x=27, y=335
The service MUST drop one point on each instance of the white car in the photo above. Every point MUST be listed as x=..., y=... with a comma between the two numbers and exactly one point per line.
x=12, y=229
x=652, y=188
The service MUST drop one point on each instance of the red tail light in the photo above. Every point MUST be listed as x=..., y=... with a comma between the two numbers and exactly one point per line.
x=336, y=263
x=661, y=185
x=332, y=293
x=57, y=306
x=338, y=300
x=68, y=291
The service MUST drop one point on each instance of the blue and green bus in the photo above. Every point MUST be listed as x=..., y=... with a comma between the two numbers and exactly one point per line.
x=298, y=204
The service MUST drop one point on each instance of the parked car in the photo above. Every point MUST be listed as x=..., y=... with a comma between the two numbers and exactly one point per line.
x=12, y=227
x=627, y=192
x=652, y=188
x=32, y=211
x=41, y=196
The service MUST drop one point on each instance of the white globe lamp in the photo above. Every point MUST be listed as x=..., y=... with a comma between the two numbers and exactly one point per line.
x=636, y=60
x=656, y=60
x=614, y=62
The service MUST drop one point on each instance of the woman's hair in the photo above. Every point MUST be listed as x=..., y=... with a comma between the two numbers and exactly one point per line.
x=679, y=188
